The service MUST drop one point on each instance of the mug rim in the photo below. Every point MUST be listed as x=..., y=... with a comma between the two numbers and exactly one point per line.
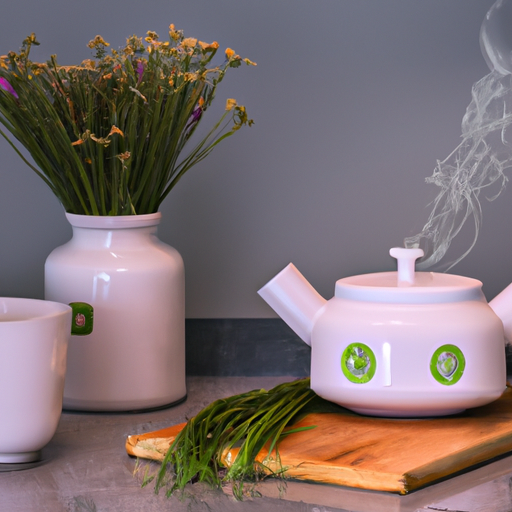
x=28, y=309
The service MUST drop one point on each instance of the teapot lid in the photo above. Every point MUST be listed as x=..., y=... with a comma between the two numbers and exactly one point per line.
x=407, y=285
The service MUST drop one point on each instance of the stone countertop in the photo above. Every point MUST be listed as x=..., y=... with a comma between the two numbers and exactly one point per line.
x=85, y=468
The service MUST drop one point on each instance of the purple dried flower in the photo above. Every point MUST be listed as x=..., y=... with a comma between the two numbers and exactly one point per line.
x=139, y=70
x=4, y=84
x=194, y=119
x=196, y=114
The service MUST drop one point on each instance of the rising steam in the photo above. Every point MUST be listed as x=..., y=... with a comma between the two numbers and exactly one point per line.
x=477, y=165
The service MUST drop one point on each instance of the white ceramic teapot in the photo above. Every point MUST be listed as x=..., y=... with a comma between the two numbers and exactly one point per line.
x=404, y=343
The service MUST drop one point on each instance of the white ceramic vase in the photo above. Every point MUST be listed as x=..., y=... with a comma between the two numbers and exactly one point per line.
x=129, y=288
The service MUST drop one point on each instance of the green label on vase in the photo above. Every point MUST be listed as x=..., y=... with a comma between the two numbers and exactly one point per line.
x=83, y=318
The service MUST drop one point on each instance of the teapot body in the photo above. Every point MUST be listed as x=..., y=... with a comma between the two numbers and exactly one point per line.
x=399, y=344
x=404, y=359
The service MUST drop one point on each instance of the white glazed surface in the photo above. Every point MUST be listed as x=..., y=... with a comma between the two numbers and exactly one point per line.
x=34, y=336
x=135, y=357
x=406, y=325
x=291, y=296
x=403, y=338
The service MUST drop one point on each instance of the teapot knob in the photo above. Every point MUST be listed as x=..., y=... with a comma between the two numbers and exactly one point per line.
x=406, y=259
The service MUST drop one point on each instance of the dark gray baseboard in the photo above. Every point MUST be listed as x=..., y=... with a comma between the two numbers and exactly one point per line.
x=244, y=347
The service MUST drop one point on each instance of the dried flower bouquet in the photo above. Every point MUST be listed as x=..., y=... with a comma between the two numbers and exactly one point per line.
x=107, y=136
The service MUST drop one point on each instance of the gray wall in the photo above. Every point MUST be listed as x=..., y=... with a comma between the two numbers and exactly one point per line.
x=354, y=101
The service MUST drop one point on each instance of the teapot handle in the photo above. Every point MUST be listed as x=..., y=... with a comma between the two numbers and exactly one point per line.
x=502, y=306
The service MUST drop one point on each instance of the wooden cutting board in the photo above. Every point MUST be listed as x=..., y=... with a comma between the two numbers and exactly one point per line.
x=397, y=455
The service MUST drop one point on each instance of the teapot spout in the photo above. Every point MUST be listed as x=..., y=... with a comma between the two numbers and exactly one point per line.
x=502, y=306
x=291, y=296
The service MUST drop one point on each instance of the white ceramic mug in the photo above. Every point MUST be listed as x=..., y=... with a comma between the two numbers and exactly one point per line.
x=34, y=337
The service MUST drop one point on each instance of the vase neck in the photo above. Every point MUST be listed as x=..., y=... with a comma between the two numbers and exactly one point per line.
x=113, y=232
x=113, y=222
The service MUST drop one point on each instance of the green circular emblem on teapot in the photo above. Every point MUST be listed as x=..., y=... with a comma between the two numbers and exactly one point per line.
x=447, y=364
x=358, y=363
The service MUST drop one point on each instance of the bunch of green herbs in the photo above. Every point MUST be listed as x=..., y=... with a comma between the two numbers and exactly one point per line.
x=107, y=136
x=254, y=422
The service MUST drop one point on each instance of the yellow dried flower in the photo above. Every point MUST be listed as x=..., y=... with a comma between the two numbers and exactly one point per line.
x=190, y=77
x=249, y=62
x=189, y=42
x=89, y=64
x=116, y=130
x=240, y=118
x=124, y=156
x=97, y=41
x=174, y=34
x=230, y=104
x=86, y=135
x=104, y=141
x=133, y=44
x=108, y=60
x=208, y=46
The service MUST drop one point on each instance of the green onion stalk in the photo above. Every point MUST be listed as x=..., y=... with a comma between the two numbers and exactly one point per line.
x=108, y=136
x=254, y=422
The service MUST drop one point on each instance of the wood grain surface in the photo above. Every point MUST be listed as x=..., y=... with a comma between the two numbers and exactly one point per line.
x=384, y=454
